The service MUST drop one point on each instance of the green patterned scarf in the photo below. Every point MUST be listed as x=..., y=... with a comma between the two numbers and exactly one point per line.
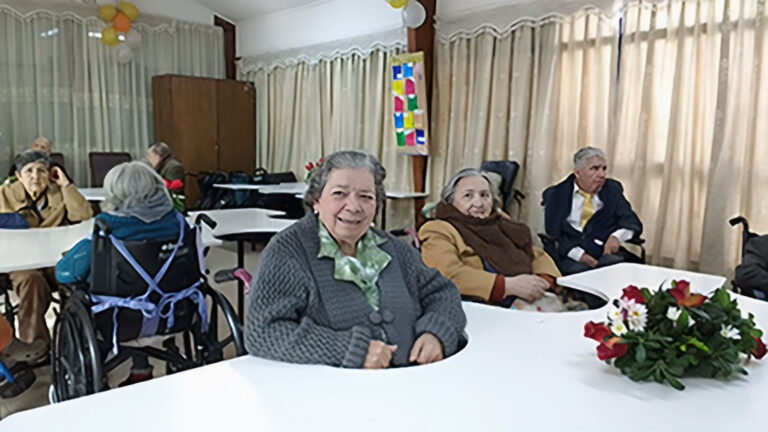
x=363, y=269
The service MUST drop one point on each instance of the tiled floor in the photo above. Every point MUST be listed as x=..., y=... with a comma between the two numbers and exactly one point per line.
x=37, y=395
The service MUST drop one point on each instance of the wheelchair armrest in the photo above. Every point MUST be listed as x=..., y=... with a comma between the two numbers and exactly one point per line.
x=205, y=218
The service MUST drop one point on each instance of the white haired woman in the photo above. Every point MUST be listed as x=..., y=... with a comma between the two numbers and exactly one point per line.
x=136, y=207
x=486, y=254
x=333, y=290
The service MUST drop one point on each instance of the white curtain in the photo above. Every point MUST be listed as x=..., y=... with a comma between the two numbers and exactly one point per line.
x=59, y=80
x=533, y=92
x=691, y=126
x=311, y=106
x=677, y=96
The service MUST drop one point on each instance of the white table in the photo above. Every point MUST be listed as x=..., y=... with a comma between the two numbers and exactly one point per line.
x=281, y=188
x=38, y=247
x=522, y=371
x=610, y=281
x=240, y=225
x=92, y=194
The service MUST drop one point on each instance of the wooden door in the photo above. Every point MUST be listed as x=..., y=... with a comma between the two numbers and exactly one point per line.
x=192, y=133
x=237, y=126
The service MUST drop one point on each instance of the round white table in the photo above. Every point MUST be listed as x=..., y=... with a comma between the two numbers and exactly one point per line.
x=524, y=371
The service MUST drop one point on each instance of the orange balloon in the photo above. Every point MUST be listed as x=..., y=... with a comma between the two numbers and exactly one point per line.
x=121, y=22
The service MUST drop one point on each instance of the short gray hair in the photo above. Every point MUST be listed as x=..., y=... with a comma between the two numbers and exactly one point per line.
x=583, y=155
x=130, y=183
x=31, y=156
x=161, y=149
x=449, y=191
x=347, y=159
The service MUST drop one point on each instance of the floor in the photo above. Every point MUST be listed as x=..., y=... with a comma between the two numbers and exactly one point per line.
x=217, y=259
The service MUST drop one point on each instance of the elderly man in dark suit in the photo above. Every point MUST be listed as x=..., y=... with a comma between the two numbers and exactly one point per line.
x=588, y=216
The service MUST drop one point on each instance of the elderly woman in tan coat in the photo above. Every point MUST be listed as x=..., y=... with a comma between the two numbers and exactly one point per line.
x=44, y=199
x=480, y=249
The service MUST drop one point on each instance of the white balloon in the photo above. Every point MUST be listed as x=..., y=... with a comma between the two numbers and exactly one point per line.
x=133, y=39
x=124, y=53
x=414, y=14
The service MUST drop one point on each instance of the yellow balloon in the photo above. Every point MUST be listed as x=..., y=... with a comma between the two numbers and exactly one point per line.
x=397, y=4
x=107, y=12
x=129, y=9
x=109, y=36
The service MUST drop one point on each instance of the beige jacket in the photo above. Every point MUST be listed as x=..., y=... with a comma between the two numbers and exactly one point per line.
x=64, y=205
x=443, y=248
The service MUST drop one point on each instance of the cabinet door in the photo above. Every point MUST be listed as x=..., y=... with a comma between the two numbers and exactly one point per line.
x=237, y=126
x=194, y=140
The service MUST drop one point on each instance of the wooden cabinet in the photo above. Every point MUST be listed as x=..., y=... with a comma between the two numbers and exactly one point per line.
x=209, y=124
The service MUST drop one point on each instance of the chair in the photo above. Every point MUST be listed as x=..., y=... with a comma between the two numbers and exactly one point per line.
x=58, y=158
x=746, y=236
x=551, y=245
x=102, y=162
x=508, y=172
x=140, y=293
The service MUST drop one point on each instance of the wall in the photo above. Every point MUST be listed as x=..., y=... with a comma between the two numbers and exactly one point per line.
x=331, y=20
x=185, y=10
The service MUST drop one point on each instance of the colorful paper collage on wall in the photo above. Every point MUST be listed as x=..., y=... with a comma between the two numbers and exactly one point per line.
x=410, y=110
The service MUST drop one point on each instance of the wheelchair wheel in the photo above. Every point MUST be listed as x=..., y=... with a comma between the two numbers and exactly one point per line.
x=76, y=362
x=211, y=344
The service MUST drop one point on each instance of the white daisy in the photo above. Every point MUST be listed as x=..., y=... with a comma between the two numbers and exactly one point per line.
x=730, y=332
x=673, y=313
x=636, y=317
x=625, y=304
x=614, y=314
x=618, y=328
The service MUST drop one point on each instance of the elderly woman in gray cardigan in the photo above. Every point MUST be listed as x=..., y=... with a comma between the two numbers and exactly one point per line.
x=333, y=290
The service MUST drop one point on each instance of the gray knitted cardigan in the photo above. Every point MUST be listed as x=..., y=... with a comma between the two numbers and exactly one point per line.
x=299, y=313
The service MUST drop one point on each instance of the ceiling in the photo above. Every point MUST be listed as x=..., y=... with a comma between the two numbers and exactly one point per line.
x=241, y=10
x=236, y=10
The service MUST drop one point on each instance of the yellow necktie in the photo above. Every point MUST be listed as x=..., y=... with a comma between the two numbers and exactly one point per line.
x=589, y=208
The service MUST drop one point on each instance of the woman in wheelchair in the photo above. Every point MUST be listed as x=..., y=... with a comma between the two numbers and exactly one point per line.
x=478, y=247
x=332, y=290
x=136, y=206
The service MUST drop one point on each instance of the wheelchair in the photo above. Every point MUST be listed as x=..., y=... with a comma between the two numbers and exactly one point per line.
x=140, y=292
x=746, y=236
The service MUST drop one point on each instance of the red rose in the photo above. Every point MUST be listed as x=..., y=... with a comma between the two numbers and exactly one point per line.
x=682, y=293
x=596, y=331
x=633, y=293
x=611, y=349
x=167, y=183
x=758, y=352
x=176, y=184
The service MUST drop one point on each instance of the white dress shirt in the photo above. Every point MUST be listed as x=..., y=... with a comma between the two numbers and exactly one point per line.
x=574, y=220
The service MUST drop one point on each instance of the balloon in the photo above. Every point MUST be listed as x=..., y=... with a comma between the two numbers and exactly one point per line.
x=124, y=53
x=129, y=9
x=107, y=12
x=397, y=4
x=414, y=14
x=121, y=23
x=133, y=39
x=109, y=36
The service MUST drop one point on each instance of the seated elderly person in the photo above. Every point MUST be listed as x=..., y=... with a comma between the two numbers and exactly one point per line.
x=43, y=145
x=478, y=247
x=752, y=273
x=43, y=199
x=160, y=156
x=589, y=217
x=331, y=289
x=136, y=207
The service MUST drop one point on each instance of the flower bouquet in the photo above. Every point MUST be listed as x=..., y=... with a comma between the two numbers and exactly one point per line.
x=175, y=188
x=311, y=167
x=671, y=333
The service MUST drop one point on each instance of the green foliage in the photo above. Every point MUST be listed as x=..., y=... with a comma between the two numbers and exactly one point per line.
x=666, y=349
